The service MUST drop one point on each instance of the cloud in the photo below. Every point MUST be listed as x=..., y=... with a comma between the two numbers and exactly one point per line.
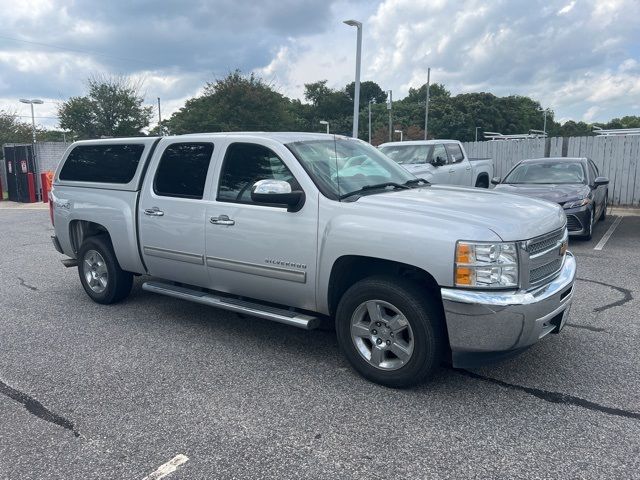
x=572, y=56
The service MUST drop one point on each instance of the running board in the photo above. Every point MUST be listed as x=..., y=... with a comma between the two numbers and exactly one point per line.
x=275, y=314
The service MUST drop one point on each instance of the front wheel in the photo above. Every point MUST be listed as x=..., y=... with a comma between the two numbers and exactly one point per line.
x=100, y=273
x=589, y=232
x=391, y=331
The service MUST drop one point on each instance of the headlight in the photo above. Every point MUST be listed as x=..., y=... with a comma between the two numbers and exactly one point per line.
x=577, y=203
x=486, y=265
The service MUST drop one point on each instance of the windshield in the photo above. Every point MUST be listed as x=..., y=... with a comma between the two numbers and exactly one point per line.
x=407, y=154
x=342, y=166
x=547, y=172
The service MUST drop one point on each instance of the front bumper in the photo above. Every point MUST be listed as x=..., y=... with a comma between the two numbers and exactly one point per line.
x=578, y=220
x=487, y=326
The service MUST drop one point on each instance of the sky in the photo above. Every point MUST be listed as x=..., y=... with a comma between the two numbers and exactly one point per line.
x=580, y=58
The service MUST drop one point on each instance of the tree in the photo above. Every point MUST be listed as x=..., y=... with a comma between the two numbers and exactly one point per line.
x=368, y=91
x=12, y=130
x=234, y=103
x=113, y=107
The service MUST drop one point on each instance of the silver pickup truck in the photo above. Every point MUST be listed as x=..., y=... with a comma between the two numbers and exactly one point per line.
x=301, y=228
x=440, y=161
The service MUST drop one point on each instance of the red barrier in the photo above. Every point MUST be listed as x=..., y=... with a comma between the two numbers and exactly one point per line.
x=45, y=187
x=31, y=184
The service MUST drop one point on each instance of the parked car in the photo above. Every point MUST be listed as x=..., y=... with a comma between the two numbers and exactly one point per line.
x=440, y=161
x=297, y=228
x=574, y=183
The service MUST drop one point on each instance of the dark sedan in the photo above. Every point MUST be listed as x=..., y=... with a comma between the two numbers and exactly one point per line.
x=574, y=183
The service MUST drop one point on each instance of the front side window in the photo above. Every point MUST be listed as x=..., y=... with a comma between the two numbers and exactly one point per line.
x=341, y=166
x=407, y=154
x=245, y=164
x=105, y=163
x=439, y=156
x=547, y=173
x=182, y=171
x=455, y=152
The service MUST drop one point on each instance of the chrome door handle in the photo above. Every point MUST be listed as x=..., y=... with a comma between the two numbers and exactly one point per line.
x=451, y=171
x=222, y=220
x=153, y=212
x=468, y=168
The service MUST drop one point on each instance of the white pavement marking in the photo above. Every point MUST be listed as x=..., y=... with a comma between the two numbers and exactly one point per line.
x=169, y=467
x=607, y=235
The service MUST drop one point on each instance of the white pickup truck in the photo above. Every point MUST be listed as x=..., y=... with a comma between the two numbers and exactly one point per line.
x=298, y=228
x=440, y=161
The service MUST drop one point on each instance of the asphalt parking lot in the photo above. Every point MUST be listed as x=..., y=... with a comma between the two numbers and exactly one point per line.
x=89, y=391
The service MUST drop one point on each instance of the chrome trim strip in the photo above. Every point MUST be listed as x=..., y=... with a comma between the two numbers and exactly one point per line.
x=278, y=273
x=174, y=255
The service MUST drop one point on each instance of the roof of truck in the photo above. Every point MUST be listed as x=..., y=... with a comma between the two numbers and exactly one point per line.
x=282, y=137
x=416, y=142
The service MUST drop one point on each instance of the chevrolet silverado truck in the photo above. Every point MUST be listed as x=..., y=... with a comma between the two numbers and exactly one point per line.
x=283, y=226
x=440, y=161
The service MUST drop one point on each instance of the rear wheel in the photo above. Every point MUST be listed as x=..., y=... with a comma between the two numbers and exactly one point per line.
x=391, y=331
x=100, y=274
x=603, y=215
x=482, y=183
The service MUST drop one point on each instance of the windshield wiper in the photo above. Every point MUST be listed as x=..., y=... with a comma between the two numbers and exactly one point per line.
x=375, y=186
x=417, y=182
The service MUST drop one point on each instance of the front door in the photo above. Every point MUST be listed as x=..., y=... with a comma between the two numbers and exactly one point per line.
x=172, y=212
x=439, y=160
x=459, y=167
x=257, y=250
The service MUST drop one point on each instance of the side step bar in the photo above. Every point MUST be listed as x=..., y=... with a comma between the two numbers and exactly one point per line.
x=275, y=314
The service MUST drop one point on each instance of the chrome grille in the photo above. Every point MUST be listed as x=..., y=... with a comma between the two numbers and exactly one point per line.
x=542, y=257
x=544, y=271
x=573, y=224
x=544, y=242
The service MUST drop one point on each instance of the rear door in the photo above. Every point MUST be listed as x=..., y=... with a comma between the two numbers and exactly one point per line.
x=257, y=250
x=172, y=211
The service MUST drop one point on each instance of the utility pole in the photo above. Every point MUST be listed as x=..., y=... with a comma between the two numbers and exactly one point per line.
x=426, y=105
x=33, y=144
x=371, y=100
x=160, y=119
x=389, y=106
x=356, y=94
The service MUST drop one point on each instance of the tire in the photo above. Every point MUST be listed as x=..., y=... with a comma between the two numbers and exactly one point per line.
x=592, y=221
x=100, y=274
x=603, y=215
x=395, y=302
x=482, y=183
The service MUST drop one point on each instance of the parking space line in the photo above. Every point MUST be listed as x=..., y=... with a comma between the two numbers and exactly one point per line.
x=607, y=235
x=167, y=468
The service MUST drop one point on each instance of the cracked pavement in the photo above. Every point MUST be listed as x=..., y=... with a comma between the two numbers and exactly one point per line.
x=145, y=380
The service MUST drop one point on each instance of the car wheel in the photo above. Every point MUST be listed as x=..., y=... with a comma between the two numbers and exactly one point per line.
x=100, y=274
x=482, y=183
x=589, y=233
x=603, y=215
x=391, y=331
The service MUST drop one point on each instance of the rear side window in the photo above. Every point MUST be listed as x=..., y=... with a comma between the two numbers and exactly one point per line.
x=182, y=171
x=109, y=163
x=455, y=152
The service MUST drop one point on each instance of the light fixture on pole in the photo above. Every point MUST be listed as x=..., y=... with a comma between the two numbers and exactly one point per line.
x=477, y=133
x=389, y=106
x=160, y=129
x=400, y=132
x=544, y=125
x=324, y=122
x=31, y=102
x=356, y=94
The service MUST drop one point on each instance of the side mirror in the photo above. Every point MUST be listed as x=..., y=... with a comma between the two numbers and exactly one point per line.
x=600, y=181
x=438, y=162
x=277, y=192
x=496, y=180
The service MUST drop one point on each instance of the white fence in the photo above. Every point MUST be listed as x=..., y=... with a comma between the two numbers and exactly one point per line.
x=617, y=157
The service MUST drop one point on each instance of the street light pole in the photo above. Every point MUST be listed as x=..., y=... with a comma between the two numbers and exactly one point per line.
x=356, y=95
x=544, y=125
x=400, y=132
x=31, y=102
x=160, y=119
x=370, y=101
x=477, y=134
x=324, y=122
x=426, y=106
x=389, y=106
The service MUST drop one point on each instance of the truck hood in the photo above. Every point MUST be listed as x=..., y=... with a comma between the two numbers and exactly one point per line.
x=511, y=217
